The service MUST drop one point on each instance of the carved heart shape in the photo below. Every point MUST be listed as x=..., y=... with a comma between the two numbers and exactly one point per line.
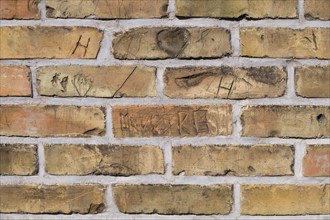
x=173, y=40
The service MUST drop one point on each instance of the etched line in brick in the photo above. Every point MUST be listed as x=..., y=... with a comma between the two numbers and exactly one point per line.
x=172, y=121
x=224, y=82
x=97, y=81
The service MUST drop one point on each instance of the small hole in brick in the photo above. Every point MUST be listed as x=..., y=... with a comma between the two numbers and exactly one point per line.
x=320, y=117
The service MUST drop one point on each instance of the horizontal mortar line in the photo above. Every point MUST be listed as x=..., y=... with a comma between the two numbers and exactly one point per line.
x=131, y=23
x=160, y=141
x=91, y=101
x=224, y=61
x=107, y=216
x=231, y=61
x=112, y=215
x=161, y=179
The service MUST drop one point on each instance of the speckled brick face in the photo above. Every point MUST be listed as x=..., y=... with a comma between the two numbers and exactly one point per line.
x=164, y=109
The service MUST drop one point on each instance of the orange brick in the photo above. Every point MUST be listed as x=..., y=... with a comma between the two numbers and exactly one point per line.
x=19, y=9
x=317, y=160
x=15, y=81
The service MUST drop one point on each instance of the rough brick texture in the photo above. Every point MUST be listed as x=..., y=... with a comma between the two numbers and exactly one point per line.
x=92, y=81
x=18, y=159
x=286, y=121
x=316, y=162
x=38, y=121
x=175, y=199
x=183, y=108
x=285, y=42
x=161, y=43
x=221, y=160
x=52, y=199
x=317, y=9
x=250, y=9
x=49, y=42
x=103, y=159
x=285, y=199
x=106, y=9
x=19, y=9
x=224, y=82
x=172, y=121
x=313, y=81
x=15, y=81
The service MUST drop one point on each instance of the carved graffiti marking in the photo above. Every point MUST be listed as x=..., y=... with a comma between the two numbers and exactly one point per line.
x=145, y=121
x=82, y=84
x=79, y=44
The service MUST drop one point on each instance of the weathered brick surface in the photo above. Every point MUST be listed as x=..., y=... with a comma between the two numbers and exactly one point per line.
x=170, y=120
x=285, y=42
x=96, y=81
x=224, y=82
x=236, y=160
x=173, y=199
x=19, y=9
x=103, y=159
x=285, y=199
x=313, y=81
x=107, y=9
x=39, y=121
x=55, y=199
x=162, y=43
x=18, y=159
x=49, y=42
x=254, y=9
x=286, y=121
x=317, y=9
x=316, y=162
x=15, y=81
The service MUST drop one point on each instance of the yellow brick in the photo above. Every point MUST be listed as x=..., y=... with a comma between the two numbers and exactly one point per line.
x=173, y=199
x=286, y=121
x=103, y=159
x=285, y=199
x=235, y=9
x=49, y=42
x=285, y=42
x=313, y=81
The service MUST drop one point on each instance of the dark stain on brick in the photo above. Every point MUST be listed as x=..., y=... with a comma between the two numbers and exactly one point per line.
x=267, y=75
x=173, y=40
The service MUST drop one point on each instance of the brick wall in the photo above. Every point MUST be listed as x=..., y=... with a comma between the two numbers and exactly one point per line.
x=165, y=109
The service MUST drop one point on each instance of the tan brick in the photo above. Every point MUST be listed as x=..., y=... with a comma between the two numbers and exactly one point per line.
x=224, y=82
x=286, y=121
x=18, y=159
x=15, y=81
x=285, y=199
x=162, y=43
x=172, y=121
x=107, y=9
x=97, y=81
x=103, y=159
x=19, y=9
x=173, y=199
x=49, y=42
x=54, y=199
x=313, y=81
x=236, y=9
x=40, y=121
x=236, y=160
x=317, y=9
x=316, y=162
x=285, y=42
